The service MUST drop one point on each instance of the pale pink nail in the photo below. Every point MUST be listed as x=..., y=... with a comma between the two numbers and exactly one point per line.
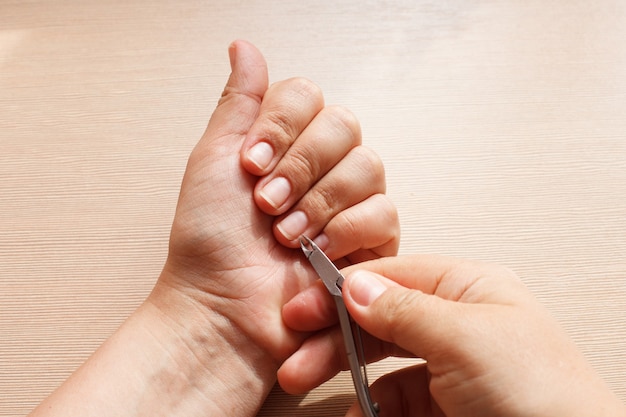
x=365, y=288
x=261, y=155
x=276, y=192
x=293, y=225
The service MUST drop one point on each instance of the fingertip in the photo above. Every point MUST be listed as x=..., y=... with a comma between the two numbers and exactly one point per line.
x=249, y=74
x=292, y=313
x=290, y=378
x=379, y=305
x=322, y=241
x=241, y=98
x=240, y=48
x=315, y=362
x=364, y=287
x=257, y=157
x=310, y=310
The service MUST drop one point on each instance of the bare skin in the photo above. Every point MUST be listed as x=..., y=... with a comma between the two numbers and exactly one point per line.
x=490, y=348
x=210, y=337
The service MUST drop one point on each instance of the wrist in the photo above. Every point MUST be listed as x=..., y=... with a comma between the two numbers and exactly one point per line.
x=210, y=353
x=167, y=359
x=245, y=315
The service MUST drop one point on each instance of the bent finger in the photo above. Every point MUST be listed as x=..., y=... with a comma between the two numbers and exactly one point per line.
x=323, y=144
x=365, y=231
x=287, y=108
x=318, y=359
x=310, y=310
x=355, y=178
x=323, y=355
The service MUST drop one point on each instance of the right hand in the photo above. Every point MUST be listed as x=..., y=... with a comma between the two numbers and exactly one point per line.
x=490, y=348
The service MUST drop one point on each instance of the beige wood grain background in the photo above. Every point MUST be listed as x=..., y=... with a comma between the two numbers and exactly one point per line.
x=502, y=125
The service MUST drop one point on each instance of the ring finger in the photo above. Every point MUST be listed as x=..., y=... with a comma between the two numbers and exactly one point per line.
x=324, y=142
x=355, y=178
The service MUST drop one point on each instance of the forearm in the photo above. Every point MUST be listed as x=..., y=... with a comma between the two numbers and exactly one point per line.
x=156, y=364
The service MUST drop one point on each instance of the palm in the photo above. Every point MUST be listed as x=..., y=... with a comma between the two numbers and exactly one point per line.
x=223, y=248
x=221, y=233
x=221, y=243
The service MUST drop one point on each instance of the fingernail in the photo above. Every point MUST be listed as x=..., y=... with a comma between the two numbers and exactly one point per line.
x=322, y=241
x=261, y=155
x=276, y=192
x=232, y=55
x=365, y=288
x=293, y=225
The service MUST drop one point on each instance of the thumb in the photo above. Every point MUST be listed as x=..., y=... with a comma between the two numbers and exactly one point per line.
x=239, y=105
x=415, y=321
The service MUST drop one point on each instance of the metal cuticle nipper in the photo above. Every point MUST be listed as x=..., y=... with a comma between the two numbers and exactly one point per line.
x=333, y=280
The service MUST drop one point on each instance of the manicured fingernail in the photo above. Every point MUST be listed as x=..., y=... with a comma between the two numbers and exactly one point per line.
x=322, y=241
x=261, y=155
x=293, y=225
x=365, y=288
x=276, y=192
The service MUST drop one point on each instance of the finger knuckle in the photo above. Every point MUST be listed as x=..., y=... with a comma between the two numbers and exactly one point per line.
x=346, y=122
x=323, y=201
x=352, y=225
x=283, y=122
x=280, y=127
x=383, y=238
x=301, y=89
x=370, y=166
x=300, y=161
x=386, y=211
x=306, y=87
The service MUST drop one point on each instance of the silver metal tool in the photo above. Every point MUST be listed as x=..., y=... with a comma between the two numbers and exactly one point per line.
x=333, y=280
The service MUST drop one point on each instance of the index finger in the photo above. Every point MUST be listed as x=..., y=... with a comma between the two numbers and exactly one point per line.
x=288, y=107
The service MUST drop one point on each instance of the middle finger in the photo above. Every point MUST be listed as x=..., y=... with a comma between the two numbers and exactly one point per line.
x=322, y=144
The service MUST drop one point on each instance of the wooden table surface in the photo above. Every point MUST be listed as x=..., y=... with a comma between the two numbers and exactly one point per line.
x=502, y=126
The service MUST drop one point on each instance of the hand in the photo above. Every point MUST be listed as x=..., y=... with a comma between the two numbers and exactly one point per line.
x=274, y=163
x=490, y=348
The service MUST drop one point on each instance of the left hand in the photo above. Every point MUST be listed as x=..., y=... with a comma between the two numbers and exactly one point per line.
x=210, y=337
x=242, y=208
